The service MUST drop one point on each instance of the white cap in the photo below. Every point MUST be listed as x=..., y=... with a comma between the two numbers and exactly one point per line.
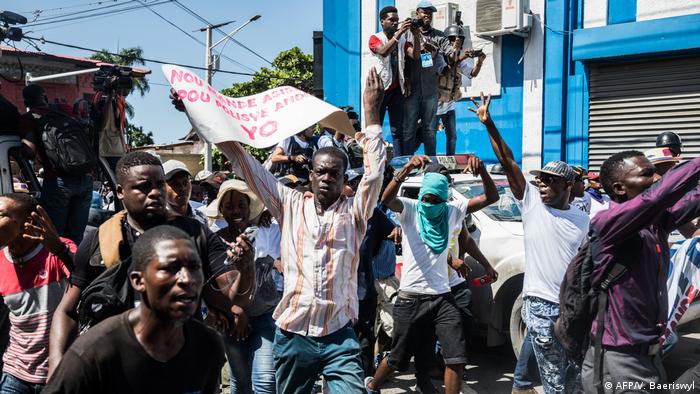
x=172, y=167
x=202, y=175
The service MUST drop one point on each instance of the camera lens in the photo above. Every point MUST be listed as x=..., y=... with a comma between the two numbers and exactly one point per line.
x=416, y=23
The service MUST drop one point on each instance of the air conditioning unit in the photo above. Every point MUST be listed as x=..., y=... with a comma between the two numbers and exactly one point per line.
x=500, y=17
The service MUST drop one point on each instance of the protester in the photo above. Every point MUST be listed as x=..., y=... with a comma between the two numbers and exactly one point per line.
x=156, y=347
x=293, y=155
x=34, y=266
x=663, y=160
x=141, y=188
x=249, y=346
x=451, y=81
x=178, y=186
x=422, y=47
x=579, y=198
x=314, y=330
x=633, y=233
x=599, y=201
x=65, y=197
x=553, y=232
x=385, y=46
x=424, y=306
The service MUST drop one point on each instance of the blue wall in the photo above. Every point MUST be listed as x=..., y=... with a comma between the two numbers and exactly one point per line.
x=341, y=52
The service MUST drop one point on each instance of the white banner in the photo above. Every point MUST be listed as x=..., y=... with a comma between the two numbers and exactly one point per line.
x=260, y=120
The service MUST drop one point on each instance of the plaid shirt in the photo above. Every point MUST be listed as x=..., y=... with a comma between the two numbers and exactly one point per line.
x=319, y=252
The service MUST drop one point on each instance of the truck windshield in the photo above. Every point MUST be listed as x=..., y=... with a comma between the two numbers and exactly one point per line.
x=504, y=210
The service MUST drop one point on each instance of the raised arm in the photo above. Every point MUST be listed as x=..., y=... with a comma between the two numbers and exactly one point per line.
x=374, y=157
x=413, y=49
x=385, y=50
x=490, y=195
x=389, y=197
x=516, y=179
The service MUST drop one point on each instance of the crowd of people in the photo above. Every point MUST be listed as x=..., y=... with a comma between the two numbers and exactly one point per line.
x=286, y=270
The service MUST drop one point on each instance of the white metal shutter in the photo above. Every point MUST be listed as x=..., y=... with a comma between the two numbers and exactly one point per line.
x=631, y=103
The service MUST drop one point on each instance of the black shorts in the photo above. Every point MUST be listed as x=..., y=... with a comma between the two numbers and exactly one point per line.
x=417, y=319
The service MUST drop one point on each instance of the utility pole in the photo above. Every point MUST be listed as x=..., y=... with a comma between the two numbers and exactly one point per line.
x=209, y=72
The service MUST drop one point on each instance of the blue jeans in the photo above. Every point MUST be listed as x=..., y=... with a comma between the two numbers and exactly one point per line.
x=450, y=124
x=558, y=373
x=423, y=108
x=526, y=373
x=11, y=385
x=393, y=102
x=299, y=360
x=67, y=201
x=251, y=362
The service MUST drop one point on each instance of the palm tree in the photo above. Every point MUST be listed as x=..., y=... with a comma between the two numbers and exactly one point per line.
x=128, y=57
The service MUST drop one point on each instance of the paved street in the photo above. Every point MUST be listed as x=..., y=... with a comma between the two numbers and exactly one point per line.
x=491, y=370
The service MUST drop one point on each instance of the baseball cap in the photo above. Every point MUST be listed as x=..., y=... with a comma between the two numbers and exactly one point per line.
x=661, y=155
x=172, y=167
x=556, y=168
x=592, y=175
x=202, y=175
x=579, y=172
x=354, y=173
x=426, y=5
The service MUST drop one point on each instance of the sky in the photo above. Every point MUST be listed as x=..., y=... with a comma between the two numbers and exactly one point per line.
x=283, y=25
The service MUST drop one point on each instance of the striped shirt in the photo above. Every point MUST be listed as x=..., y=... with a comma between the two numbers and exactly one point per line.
x=319, y=253
x=32, y=291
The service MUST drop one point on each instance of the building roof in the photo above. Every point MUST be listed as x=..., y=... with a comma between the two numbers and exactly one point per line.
x=62, y=58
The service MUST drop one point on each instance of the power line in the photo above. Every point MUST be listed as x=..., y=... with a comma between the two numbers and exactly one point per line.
x=110, y=12
x=38, y=12
x=191, y=36
x=220, y=31
x=45, y=41
x=69, y=14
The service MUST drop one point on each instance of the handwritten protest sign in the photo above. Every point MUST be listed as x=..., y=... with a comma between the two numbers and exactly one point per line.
x=260, y=120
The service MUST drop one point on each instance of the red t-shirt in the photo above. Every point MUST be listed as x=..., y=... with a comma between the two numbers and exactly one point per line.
x=31, y=291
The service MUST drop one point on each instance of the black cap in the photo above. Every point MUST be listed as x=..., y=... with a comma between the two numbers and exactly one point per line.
x=671, y=140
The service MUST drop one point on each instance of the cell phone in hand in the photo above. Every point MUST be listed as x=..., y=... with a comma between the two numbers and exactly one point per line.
x=251, y=232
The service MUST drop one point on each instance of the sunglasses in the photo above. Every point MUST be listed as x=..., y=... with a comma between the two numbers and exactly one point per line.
x=547, y=180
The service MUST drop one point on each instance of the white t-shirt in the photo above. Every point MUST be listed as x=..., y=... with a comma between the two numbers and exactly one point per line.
x=423, y=271
x=583, y=203
x=267, y=241
x=552, y=238
x=597, y=206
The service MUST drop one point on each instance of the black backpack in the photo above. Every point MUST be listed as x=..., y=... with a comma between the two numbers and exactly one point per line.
x=108, y=295
x=581, y=302
x=68, y=144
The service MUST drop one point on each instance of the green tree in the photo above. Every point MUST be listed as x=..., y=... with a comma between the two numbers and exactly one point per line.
x=137, y=137
x=290, y=68
x=128, y=57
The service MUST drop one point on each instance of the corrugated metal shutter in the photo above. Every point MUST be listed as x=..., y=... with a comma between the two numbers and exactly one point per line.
x=631, y=103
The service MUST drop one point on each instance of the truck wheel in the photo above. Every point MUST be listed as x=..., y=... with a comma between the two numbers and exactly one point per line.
x=517, y=326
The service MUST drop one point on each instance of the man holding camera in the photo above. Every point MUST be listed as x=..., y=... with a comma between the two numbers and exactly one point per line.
x=450, y=82
x=423, y=45
x=384, y=46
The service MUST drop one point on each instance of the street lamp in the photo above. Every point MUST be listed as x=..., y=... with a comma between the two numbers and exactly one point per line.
x=209, y=72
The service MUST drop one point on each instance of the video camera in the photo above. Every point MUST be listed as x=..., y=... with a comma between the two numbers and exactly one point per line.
x=8, y=18
x=113, y=79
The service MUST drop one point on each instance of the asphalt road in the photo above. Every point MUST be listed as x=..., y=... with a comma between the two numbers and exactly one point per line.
x=491, y=369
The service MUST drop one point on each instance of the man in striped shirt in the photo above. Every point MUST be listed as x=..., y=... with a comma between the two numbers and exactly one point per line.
x=34, y=265
x=321, y=235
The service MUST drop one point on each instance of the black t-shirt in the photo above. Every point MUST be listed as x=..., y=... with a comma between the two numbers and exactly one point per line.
x=109, y=359
x=211, y=250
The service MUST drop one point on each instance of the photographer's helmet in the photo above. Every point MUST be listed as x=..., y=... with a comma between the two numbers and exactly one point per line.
x=670, y=140
x=454, y=31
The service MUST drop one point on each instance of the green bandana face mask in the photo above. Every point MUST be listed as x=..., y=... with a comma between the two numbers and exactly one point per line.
x=433, y=218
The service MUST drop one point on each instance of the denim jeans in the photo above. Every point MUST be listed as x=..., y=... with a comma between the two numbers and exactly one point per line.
x=450, y=124
x=251, y=362
x=558, y=373
x=423, y=108
x=299, y=360
x=67, y=201
x=526, y=372
x=11, y=385
x=393, y=102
